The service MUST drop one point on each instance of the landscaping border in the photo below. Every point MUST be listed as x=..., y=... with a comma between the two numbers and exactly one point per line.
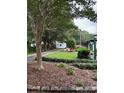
x=68, y=60
x=90, y=66
x=87, y=89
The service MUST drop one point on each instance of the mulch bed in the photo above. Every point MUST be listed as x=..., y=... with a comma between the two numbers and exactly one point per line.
x=53, y=76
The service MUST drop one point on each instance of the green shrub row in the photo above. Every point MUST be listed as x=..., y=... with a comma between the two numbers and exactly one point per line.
x=68, y=60
x=90, y=66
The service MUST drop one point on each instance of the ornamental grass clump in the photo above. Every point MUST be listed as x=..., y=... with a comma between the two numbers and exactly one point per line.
x=70, y=71
x=61, y=65
x=79, y=82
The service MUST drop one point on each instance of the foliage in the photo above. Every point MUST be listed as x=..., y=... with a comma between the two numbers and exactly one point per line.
x=30, y=49
x=79, y=82
x=41, y=15
x=71, y=43
x=50, y=36
x=90, y=66
x=67, y=60
x=76, y=34
x=58, y=32
x=61, y=65
x=70, y=71
x=55, y=13
x=45, y=14
x=86, y=36
x=83, y=52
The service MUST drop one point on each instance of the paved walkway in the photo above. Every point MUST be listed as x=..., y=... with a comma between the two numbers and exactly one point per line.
x=31, y=57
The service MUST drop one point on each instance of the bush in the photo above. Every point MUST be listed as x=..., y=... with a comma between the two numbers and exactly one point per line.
x=71, y=43
x=70, y=71
x=83, y=52
x=31, y=49
x=79, y=82
x=68, y=60
x=61, y=65
x=90, y=66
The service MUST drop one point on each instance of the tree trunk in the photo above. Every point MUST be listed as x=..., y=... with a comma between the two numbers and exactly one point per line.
x=39, y=56
x=38, y=30
x=38, y=50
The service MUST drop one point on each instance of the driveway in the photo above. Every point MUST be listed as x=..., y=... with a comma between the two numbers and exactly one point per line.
x=31, y=57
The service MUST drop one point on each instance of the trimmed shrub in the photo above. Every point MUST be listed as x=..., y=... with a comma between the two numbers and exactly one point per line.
x=90, y=66
x=68, y=60
x=70, y=71
x=83, y=52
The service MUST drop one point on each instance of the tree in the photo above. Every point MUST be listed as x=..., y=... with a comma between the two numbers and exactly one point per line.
x=71, y=43
x=43, y=13
x=86, y=36
x=59, y=31
x=50, y=36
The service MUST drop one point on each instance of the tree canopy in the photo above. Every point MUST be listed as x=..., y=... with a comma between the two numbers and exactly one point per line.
x=50, y=11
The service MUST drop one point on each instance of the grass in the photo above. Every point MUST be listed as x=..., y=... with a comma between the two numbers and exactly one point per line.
x=63, y=55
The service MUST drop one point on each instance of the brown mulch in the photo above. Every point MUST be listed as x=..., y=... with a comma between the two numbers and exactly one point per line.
x=53, y=76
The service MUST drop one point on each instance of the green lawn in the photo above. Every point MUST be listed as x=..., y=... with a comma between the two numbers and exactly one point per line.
x=63, y=55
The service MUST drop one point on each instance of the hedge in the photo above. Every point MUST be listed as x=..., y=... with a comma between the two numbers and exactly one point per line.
x=83, y=52
x=68, y=60
x=90, y=66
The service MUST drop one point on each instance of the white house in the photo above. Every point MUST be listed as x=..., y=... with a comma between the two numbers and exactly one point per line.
x=60, y=45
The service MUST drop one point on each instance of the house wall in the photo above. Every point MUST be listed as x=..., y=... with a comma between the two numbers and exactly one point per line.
x=60, y=45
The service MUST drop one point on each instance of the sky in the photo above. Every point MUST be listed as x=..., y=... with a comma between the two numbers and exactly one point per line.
x=85, y=24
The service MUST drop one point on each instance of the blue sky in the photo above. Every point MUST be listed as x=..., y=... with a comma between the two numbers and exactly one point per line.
x=85, y=24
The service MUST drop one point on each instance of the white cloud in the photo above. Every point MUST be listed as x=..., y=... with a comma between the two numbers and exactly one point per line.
x=85, y=24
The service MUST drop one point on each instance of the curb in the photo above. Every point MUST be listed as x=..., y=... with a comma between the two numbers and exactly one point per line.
x=63, y=89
